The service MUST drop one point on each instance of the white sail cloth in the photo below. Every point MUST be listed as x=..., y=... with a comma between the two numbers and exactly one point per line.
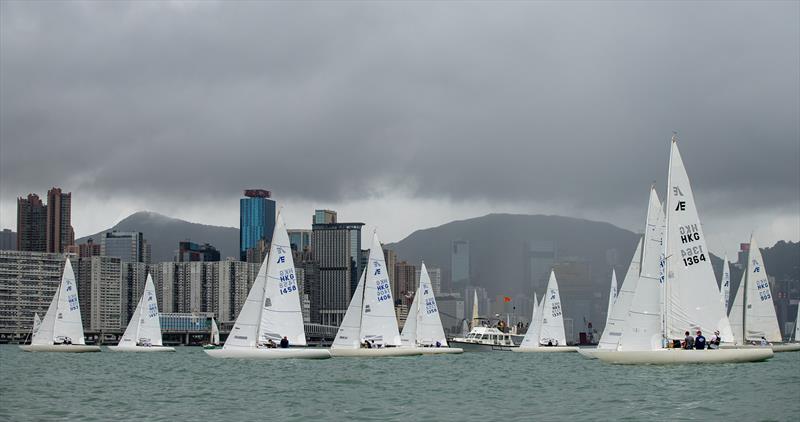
x=62, y=322
x=693, y=301
x=643, y=330
x=423, y=324
x=144, y=328
x=552, y=320
x=615, y=326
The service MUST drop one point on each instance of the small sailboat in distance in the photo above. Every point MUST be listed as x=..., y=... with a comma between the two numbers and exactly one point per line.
x=753, y=314
x=271, y=314
x=549, y=334
x=61, y=330
x=214, y=340
x=143, y=333
x=423, y=328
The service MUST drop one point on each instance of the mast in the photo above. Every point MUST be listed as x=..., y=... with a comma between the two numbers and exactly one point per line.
x=665, y=282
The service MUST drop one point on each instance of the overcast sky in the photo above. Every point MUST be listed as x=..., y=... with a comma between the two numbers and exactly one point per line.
x=403, y=115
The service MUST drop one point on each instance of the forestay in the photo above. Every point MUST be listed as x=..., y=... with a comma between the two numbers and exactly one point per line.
x=282, y=315
x=693, y=299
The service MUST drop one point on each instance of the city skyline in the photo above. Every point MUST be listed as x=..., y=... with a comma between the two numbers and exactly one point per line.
x=491, y=116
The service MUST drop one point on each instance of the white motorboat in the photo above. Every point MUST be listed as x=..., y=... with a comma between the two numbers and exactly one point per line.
x=61, y=330
x=485, y=339
x=271, y=313
x=143, y=333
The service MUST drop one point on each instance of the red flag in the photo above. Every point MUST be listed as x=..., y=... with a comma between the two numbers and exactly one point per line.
x=506, y=299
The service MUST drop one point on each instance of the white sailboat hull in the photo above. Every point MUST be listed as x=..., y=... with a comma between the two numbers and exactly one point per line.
x=777, y=348
x=481, y=347
x=63, y=348
x=265, y=354
x=786, y=347
x=441, y=350
x=376, y=353
x=546, y=349
x=141, y=349
x=680, y=356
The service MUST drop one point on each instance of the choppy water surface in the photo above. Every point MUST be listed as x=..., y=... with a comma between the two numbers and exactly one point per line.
x=478, y=386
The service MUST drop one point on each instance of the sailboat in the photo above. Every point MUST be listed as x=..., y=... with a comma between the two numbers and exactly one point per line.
x=271, y=312
x=548, y=333
x=144, y=329
x=214, y=340
x=369, y=327
x=423, y=326
x=677, y=292
x=61, y=330
x=753, y=312
x=797, y=325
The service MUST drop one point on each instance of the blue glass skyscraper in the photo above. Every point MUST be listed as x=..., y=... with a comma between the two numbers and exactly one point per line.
x=256, y=219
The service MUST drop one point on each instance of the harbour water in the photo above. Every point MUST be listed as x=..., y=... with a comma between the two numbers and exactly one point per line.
x=474, y=386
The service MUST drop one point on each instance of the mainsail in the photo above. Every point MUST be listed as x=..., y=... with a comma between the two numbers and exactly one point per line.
x=692, y=299
x=214, y=332
x=282, y=315
x=378, y=319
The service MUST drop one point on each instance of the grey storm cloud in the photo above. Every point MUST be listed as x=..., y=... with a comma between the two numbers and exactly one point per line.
x=569, y=102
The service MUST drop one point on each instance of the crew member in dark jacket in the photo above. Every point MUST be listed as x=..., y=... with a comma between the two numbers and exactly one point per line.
x=699, y=341
x=284, y=343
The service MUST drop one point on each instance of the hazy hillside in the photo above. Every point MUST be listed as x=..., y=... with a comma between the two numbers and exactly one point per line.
x=164, y=233
x=497, y=246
